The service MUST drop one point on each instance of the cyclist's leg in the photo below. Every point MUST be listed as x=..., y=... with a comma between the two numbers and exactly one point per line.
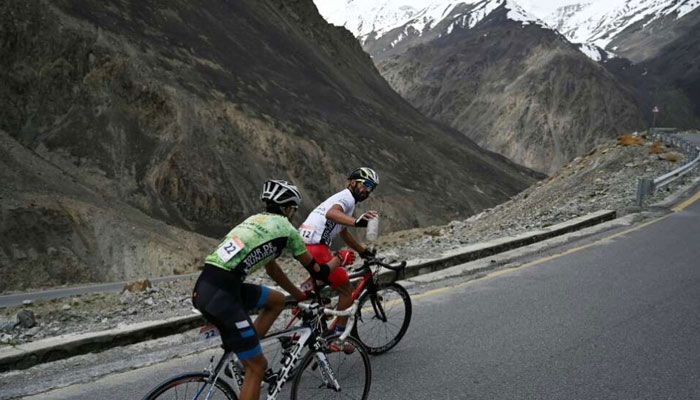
x=225, y=306
x=341, y=284
x=269, y=302
x=254, y=371
x=337, y=279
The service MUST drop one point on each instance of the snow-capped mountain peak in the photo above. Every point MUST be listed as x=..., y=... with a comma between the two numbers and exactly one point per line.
x=591, y=23
x=599, y=21
x=372, y=18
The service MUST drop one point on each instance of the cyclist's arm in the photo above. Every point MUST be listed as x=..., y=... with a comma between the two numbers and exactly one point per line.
x=275, y=272
x=336, y=214
x=350, y=240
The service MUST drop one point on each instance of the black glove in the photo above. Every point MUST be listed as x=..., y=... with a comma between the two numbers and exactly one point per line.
x=368, y=253
x=362, y=221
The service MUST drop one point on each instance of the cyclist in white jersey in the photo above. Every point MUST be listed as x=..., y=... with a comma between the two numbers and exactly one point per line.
x=331, y=218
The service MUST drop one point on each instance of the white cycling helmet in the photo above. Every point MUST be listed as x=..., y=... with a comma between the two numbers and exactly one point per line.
x=365, y=174
x=282, y=193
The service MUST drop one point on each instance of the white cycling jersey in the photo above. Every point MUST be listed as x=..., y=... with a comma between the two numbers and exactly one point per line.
x=317, y=228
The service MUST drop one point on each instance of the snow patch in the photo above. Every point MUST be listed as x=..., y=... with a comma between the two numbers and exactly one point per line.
x=592, y=51
x=687, y=7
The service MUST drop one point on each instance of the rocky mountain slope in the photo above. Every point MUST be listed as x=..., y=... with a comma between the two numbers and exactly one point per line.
x=529, y=94
x=122, y=113
x=658, y=37
x=668, y=48
x=55, y=230
x=498, y=73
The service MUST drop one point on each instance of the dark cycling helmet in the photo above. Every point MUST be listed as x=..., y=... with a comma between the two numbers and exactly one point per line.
x=365, y=174
x=282, y=193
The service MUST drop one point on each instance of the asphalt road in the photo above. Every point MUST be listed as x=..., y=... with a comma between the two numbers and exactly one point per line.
x=15, y=299
x=614, y=319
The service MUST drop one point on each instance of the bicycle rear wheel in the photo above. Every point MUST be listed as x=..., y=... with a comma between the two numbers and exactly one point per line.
x=383, y=317
x=191, y=386
x=349, y=364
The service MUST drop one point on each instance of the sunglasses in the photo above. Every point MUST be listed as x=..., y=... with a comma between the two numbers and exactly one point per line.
x=369, y=184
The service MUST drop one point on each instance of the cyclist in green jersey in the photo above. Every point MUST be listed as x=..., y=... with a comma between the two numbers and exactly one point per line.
x=224, y=299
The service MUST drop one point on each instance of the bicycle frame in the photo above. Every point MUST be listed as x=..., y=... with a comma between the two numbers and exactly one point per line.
x=366, y=282
x=307, y=335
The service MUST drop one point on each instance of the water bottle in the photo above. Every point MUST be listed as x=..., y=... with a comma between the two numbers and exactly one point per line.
x=373, y=229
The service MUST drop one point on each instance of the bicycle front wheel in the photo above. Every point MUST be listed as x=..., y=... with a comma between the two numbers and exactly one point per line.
x=383, y=317
x=348, y=365
x=192, y=386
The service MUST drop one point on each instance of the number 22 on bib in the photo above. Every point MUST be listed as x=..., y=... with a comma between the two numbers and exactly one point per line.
x=229, y=248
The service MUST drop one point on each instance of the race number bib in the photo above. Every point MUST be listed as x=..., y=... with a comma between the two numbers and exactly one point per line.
x=306, y=232
x=229, y=248
x=207, y=332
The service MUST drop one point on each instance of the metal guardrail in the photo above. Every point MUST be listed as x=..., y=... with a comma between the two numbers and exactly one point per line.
x=647, y=186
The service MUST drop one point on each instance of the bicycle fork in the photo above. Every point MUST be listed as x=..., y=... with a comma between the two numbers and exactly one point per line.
x=377, y=307
x=327, y=374
x=215, y=374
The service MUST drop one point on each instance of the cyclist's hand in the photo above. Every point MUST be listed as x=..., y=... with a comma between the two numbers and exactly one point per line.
x=362, y=221
x=347, y=257
x=301, y=295
x=308, y=294
x=368, y=253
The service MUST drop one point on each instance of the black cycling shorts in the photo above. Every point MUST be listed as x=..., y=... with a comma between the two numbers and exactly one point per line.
x=224, y=300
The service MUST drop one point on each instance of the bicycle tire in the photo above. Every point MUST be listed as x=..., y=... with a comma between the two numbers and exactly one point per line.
x=347, y=368
x=173, y=388
x=394, y=303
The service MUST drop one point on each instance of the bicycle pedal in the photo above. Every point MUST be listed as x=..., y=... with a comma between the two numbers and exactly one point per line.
x=270, y=377
x=338, y=347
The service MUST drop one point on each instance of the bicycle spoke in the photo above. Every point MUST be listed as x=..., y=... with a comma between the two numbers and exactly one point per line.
x=350, y=370
x=384, y=318
x=191, y=386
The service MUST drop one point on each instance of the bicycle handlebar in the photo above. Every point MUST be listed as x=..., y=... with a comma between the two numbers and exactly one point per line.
x=369, y=262
x=317, y=309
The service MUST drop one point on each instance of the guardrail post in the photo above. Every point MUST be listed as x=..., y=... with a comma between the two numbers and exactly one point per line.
x=645, y=186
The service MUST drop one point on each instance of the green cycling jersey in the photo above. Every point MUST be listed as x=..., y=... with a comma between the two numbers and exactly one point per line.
x=255, y=242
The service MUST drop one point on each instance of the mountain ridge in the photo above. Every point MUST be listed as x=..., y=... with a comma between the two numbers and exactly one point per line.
x=178, y=113
x=623, y=94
